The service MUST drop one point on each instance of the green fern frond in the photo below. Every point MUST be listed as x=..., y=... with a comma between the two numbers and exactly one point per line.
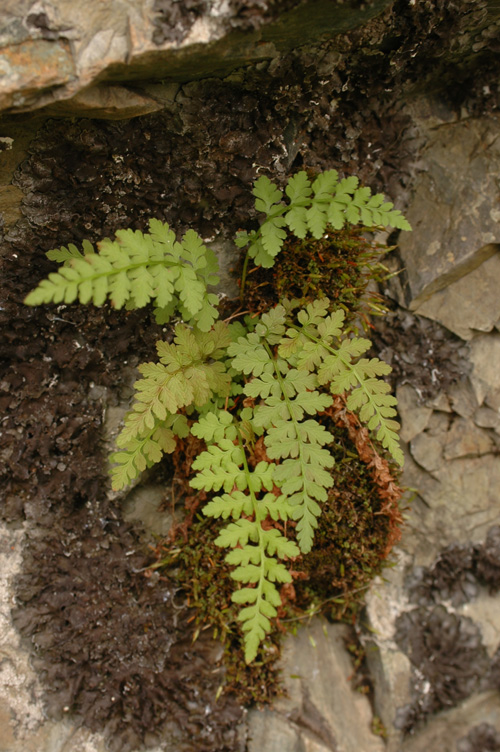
x=311, y=208
x=136, y=269
x=255, y=549
x=287, y=395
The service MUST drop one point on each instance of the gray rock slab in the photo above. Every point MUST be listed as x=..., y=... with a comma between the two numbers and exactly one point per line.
x=78, y=44
x=470, y=304
x=389, y=667
x=440, y=402
x=454, y=210
x=485, y=376
x=444, y=730
x=427, y=451
x=414, y=415
x=463, y=398
x=322, y=712
x=485, y=611
x=462, y=505
x=147, y=505
x=465, y=439
x=486, y=417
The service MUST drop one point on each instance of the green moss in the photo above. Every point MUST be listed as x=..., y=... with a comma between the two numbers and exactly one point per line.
x=350, y=542
x=339, y=266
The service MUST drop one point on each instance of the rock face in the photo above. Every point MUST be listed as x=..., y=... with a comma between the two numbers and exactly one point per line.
x=118, y=111
x=322, y=711
x=455, y=217
x=53, y=51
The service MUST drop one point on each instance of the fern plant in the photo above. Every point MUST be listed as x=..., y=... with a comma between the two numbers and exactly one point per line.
x=254, y=393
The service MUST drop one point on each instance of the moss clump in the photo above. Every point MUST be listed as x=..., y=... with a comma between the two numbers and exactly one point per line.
x=350, y=544
x=339, y=266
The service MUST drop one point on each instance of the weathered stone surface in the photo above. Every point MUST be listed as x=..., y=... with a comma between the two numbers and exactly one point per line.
x=389, y=666
x=465, y=439
x=23, y=725
x=441, y=402
x=467, y=490
x=107, y=101
x=463, y=398
x=485, y=376
x=485, y=611
x=454, y=211
x=414, y=416
x=146, y=505
x=30, y=69
x=322, y=711
x=51, y=51
x=470, y=304
x=486, y=417
x=10, y=204
x=427, y=451
x=450, y=726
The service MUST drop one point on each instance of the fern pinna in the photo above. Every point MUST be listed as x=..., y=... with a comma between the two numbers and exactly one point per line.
x=254, y=394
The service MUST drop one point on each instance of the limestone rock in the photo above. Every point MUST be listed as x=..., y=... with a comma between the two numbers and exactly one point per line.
x=485, y=417
x=453, y=211
x=470, y=304
x=427, y=451
x=52, y=51
x=463, y=398
x=485, y=611
x=107, y=101
x=445, y=730
x=462, y=489
x=414, y=416
x=485, y=377
x=30, y=69
x=465, y=439
x=145, y=505
x=440, y=402
x=322, y=712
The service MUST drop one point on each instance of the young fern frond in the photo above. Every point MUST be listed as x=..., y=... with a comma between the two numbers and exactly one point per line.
x=311, y=207
x=190, y=371
x=286, y=361
x=134, y=270
x=256, y=550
